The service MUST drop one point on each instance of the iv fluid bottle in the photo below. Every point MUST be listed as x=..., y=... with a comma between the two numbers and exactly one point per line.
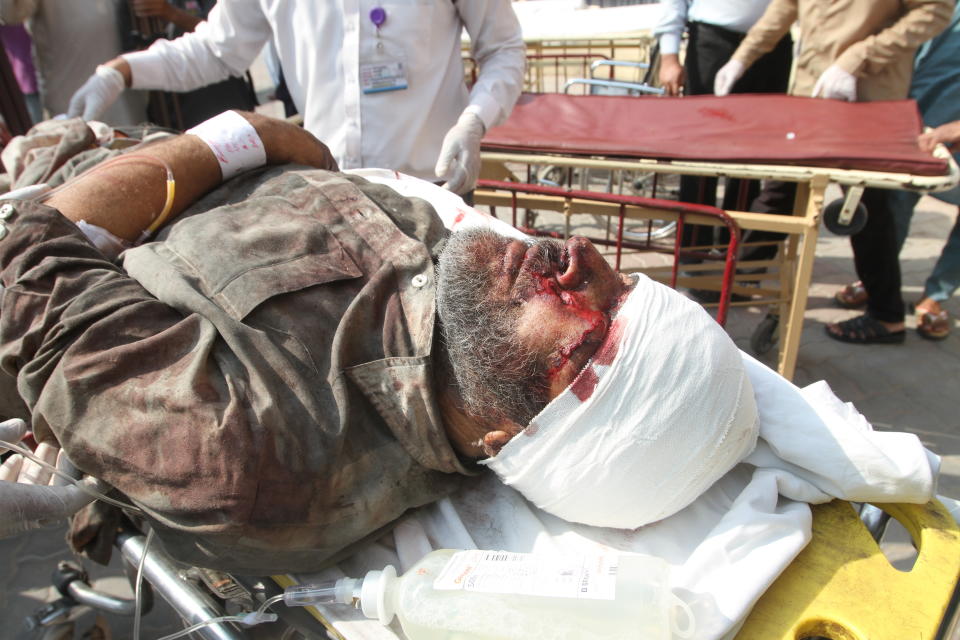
x=486, y=595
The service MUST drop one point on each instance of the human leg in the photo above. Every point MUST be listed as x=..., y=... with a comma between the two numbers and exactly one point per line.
x=902, y=203
x=875, y=259
x=933, y=321
x=944, y=280
x=877, y=265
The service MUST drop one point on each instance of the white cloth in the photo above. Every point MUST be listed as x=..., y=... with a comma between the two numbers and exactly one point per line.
x=731, y=543
x=70, y=39
x=646, y=427
x=455, y=214
x=735, y=15
x=322, y=46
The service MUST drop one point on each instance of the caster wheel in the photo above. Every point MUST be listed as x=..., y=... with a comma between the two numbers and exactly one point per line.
x=765, y=336
x=831, y=218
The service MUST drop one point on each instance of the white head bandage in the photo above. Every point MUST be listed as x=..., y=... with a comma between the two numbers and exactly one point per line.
x=661, y=412
x=234, y=142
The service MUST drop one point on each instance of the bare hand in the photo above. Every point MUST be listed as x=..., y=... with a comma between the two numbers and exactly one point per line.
x=671, y=74
x=152, y=9
x=948, y=134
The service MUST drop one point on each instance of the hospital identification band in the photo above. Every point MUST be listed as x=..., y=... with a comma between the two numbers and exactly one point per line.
x=234, y=142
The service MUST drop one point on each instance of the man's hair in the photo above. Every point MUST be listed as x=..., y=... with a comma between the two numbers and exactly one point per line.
x=497, y=377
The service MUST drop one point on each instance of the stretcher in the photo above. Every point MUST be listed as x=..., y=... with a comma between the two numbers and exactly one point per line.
x=814, y=143
x=840, y=587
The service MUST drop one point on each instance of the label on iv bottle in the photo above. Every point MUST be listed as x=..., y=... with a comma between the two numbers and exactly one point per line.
x=591, y=577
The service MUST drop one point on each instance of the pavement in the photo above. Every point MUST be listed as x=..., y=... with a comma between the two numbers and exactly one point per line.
x=905, y=387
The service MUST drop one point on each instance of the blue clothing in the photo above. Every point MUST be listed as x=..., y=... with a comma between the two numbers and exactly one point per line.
x=936, y=88
x=936, y=85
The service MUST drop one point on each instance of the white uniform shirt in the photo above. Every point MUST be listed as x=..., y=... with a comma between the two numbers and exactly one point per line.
x=736, y=15
x=323, y=46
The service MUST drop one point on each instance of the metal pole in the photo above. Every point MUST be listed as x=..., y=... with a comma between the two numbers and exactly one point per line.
x=189, y=601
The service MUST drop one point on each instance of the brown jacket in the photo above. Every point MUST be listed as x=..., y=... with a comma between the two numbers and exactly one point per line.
x=259, y=381
x=874, y=40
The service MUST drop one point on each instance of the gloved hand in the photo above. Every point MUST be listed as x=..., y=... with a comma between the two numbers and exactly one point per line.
x=459, y=161
x=97, y=94
x=836, y=84
x=29, y=495
x=727, y=76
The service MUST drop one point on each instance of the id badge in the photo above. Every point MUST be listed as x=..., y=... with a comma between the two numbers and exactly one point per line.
x=383, y=75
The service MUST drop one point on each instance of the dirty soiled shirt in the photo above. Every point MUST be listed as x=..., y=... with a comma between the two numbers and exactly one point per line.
x=872, y=39
x=259, y=380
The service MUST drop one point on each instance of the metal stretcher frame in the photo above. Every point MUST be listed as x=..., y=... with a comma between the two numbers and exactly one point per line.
x=801, y=229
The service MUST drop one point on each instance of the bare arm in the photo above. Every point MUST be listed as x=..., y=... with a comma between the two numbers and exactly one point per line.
x=125, y=198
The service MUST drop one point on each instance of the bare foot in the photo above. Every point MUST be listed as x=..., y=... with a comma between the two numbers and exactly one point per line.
x=928, y=305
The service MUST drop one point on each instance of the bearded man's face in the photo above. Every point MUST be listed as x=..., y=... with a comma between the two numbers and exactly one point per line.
x=521, y=319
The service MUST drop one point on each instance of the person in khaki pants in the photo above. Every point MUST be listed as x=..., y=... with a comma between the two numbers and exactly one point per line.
x=859, y=51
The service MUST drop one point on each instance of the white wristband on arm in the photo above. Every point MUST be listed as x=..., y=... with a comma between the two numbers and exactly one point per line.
x=234, y=142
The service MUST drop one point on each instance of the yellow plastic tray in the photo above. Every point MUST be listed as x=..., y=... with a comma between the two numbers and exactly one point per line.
x=842, y=587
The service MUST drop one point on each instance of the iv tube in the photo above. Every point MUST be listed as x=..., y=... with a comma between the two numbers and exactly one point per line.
x=13, y=446
x=171, y=187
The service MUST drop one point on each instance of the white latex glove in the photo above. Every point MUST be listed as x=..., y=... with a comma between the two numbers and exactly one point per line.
x=727, y=76
x=29, y=493
x=97, y=94
x=459, y=161
x=837, y=84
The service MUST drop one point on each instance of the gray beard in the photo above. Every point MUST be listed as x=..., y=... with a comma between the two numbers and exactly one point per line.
x=496, y=376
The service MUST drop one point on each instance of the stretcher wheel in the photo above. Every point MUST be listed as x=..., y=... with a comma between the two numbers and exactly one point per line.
x=765, y=337
x=831, y=218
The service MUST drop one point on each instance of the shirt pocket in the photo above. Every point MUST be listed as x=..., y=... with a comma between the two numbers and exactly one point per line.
x=243, y=256
x=408, y=32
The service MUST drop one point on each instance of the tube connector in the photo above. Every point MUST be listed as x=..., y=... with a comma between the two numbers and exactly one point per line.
x=341, y=591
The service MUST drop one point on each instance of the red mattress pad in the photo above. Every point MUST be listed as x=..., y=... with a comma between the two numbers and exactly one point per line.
x=754, y=129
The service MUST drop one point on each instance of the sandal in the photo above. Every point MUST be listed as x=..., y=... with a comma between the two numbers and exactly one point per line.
x=865, y=330
x=852, y=296
x=933, y=325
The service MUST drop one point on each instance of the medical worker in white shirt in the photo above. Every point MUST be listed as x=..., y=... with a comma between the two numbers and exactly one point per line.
x=380, y=82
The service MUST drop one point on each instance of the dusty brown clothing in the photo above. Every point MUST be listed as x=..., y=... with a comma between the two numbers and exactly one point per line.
x=872, y=39
x=259, y=381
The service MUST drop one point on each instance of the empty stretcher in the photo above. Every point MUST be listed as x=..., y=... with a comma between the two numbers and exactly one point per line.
x=810, y=142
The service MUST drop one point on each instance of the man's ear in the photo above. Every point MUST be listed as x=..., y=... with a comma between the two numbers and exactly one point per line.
x=497, y=438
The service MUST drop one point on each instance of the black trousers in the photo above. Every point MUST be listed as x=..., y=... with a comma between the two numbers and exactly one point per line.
x=874, y=248
x=709, y=47
x=875, y=258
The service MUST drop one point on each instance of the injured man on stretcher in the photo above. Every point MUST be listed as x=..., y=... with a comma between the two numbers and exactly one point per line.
x=275, y=362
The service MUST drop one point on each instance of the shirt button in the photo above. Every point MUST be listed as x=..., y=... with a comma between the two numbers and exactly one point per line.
x=3, y=231
x=419, y=280
x=7, y=211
